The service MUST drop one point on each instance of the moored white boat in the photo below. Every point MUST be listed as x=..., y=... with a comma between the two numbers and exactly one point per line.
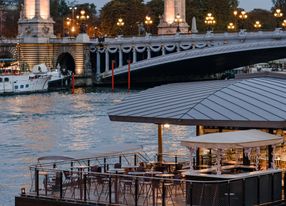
x=23, y=83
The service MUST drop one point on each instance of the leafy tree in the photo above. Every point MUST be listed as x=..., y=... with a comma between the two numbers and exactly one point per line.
x=59, y=9
x=265, y=17
x=155, y=8
x=222, y=10
x=131, y=11
x=281, y=4
x=9, y=15
x=8, y=3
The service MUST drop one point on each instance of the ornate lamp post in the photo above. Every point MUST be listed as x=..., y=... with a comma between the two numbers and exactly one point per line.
x=284, y=24
x=72, y=20
x=178, y=20
x=242, y=16
x=148, y=22
x=230, y=26
x=67, y=27
x=235, y=13
x=278, y=14
x=120, y=24
x=210, y=21
x=82, y=18
x=257, y=25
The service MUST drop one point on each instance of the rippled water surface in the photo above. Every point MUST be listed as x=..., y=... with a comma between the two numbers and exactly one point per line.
x=64, y=124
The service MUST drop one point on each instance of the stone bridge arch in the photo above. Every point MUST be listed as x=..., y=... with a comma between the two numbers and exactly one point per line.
x=72, y=57
x=66, y=58
x=66, y=61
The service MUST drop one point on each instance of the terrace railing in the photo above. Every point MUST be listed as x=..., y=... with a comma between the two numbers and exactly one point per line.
x=118, y=189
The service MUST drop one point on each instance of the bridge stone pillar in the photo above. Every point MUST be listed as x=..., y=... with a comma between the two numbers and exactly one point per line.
x=35, y=24
x=106, y=60
x=134, y=55
x=120, y=57
x=167, y=24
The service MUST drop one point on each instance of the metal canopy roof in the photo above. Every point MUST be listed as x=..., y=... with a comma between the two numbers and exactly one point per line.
x=250, y=103
x=230, y=140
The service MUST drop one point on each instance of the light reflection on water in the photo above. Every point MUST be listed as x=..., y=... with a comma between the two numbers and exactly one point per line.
x=65, y=124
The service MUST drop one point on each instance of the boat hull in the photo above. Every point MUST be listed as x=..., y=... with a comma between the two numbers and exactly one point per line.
x=20, y=84
x=59, y=84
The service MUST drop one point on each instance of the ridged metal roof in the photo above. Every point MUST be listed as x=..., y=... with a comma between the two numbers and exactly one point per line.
x=251, y=103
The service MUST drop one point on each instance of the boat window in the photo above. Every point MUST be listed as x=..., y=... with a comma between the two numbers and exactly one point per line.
x=22, y=86
x=27, y=85
x=0, y=79
x=16, y=87
x=6, y=79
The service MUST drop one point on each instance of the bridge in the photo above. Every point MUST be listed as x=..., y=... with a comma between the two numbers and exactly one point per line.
x=184, y=57
x=152, y=58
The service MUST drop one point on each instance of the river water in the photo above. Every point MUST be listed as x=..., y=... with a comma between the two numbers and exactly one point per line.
x=60, y=123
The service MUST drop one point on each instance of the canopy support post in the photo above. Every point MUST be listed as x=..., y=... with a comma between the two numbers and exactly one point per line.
x=199, y=131
x=273, y=166
x=218, y=161
x=160, y=143
x=192, y=150
x=257, y=158
x=245, y=159
x=270, y=152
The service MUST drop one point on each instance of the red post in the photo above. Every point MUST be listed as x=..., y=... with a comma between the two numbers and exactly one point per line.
x=72, y=83
x=112, y=75
x=129, y=79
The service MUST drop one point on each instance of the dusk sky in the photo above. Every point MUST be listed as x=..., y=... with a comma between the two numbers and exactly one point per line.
x=246, y=4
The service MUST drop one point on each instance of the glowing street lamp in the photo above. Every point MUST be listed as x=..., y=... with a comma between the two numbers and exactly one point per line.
x=284, y=24
x=242, y=16
x=235, y=13
x=178, y=20
x=120, y=24
x=257, y=25
x=148, y=22
x=82, y=18
x=210, y=21
x=278, y=14
x=230, y=26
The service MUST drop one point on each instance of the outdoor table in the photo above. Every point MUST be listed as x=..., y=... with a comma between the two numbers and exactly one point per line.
x=116, y=171
x=80, y=168
x=153, y=173
x=168, y=175
x=137, y=173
